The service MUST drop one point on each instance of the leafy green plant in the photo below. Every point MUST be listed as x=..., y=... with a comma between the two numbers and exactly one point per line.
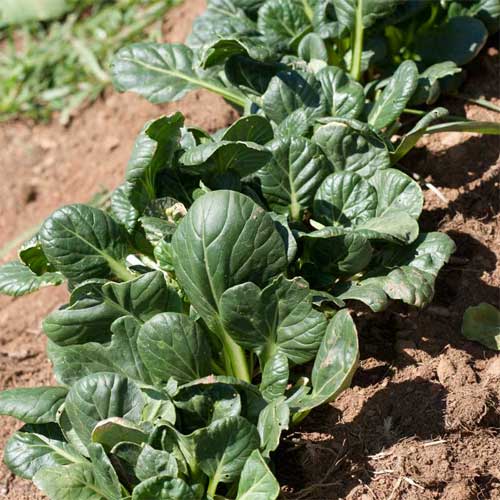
x=221, y=267
x=240, y=48
x=352, y=126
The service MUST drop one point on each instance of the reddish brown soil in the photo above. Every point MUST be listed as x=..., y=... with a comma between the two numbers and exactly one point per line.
x=421, y=420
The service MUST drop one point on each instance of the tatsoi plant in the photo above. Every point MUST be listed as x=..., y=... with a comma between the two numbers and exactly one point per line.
x=221, y=268
x=298, y=97
x=237, y=47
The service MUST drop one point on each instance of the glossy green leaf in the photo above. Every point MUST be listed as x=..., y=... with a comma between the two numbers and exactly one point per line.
x=249, y=75
x=200, y=404
x=279, y=317
x=372, y=11
x=83, y=242
x=290, y=180
x=292, y=90
x=352, y=150
x=153, y=462
x=336, y=361
x=104, y=473
x=243, y=158
x=100, y=396
x=257, y=482
x=481, y=324
x=225, y=239
x=282, y=22
x=396, y=191
x=406, y=274
x=162, y=73
x=16, y=279
x=252, y=128
x=223, y=447
x=32, y=405
x=312, y=47
x=459, y=40
x=345, y=254
x=153, y=152
x=121, y=206
x=346, y=199
x=70, y=482
x=35, y=447
x=163, y=487
x=344, y=96
x=371, y=295
x=222, y=19
x=31, y=254
x=395, y=96
x=410, y=139
x=94, y=307
x=273, y=420
x=172, y=345
x=393, y=226
x=220, y=50
x=428, y=87
x=275, y=377
x=120, y=356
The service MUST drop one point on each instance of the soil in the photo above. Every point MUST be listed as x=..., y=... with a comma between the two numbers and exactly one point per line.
x=421, y=420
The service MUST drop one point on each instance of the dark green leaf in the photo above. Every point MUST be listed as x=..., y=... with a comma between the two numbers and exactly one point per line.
x=162, y=73
x=153, y=152
x=243, y=158
x=200, y=404
x=312, y=47
x=290, y=180
x=153, y=462
x=336, y=361
x=70, y=482
x=459, y=40
x=223, y=447
x=99, y=396
x=344, y=96
x=352, y=150
x=104, y=473
x=346, y=199
x=31, y=254
x=94, y=307
x=32, y=405
x=252, y=128
x=280, y=317
x=35, y=447
x=219, y=51
x=163, y=487
x=257, y=481
x=224, y=240
x=292, y=90
x=172, y=345
x=273, y=420
x=83, y=242
x=395, y=96
x=17, y=279
x=274, y=377
x=283, y=22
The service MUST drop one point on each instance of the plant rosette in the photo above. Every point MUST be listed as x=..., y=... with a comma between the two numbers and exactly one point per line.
x=222, y=265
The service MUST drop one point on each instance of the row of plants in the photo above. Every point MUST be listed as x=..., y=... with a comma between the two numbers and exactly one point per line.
x=209, y=302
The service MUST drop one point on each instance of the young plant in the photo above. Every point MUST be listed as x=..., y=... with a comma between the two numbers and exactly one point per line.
x=221, y=268
x=237, y=47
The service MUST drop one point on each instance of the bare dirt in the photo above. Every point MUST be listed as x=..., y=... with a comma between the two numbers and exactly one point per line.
x=421, y=420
